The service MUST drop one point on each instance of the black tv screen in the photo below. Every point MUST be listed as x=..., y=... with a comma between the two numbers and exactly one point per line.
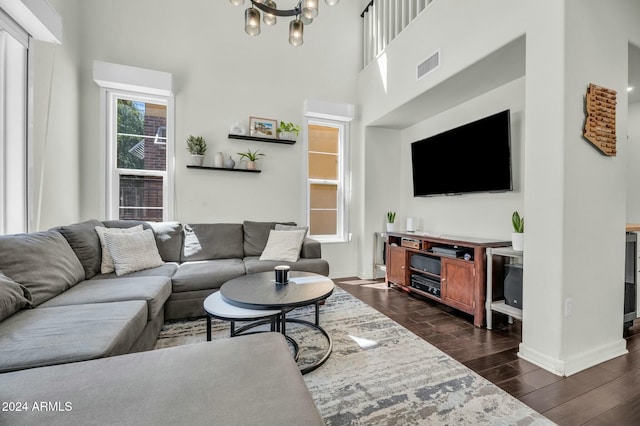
x=475, y=157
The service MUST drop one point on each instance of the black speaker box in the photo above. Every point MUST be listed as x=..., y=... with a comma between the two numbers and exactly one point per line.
x=426, y=263
x=513, y=285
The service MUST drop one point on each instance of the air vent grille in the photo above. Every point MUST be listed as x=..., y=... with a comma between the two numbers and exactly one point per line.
x=428, y=65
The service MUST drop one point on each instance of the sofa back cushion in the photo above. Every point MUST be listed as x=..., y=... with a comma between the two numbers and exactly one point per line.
x=13, y=297
x=84, y=242
x=212, y=241
x=169, y=237
x=43, y=262
x=256, y=235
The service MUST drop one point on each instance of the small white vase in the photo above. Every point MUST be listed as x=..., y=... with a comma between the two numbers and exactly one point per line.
x=391, y=227
x=218, y=160
x=517, y=241
x=196, y=160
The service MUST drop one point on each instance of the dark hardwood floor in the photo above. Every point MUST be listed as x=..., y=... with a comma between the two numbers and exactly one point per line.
x=607, y=394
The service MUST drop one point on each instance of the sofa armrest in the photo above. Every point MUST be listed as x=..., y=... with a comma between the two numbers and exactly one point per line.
x=311, y=249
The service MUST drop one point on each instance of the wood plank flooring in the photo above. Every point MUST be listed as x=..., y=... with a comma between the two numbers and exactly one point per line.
x=607, y=394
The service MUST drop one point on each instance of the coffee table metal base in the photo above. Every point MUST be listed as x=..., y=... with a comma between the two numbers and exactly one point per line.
x=217, y=308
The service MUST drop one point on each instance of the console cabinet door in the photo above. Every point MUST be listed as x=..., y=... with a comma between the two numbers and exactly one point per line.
x=396, y=265
x=458, y=280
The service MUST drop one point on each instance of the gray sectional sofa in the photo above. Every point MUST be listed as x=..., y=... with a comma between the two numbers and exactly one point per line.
x=57, y=307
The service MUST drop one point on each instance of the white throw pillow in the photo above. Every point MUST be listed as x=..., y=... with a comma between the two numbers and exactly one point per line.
x=280, y=227
x=283, y=245
x=133, y=252
x=107, y=261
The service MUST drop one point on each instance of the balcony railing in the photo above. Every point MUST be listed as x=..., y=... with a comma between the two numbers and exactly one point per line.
x=383, y=20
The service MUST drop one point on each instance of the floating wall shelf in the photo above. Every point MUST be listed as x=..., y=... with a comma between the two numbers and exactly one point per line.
x=224, y=168
x=260, y=139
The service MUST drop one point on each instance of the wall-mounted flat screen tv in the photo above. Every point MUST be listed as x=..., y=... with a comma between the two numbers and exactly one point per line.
x=475, y=157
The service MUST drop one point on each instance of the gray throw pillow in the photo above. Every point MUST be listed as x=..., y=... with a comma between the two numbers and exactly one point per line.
x=85, y=243
x=256, y=235
x=43, y=262
x=13, y=297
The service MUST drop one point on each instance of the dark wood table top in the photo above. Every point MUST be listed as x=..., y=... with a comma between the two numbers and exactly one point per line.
x=260, y=291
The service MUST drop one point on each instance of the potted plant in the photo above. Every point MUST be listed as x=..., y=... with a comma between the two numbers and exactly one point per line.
x=197, y=146
x=391, y=218
x=517, y=236
x=251, y=157
x=288, y=131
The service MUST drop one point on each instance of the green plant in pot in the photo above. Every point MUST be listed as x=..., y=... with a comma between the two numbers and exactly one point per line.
x=391, y=218
x=197, y=146
x=517, y=236
x=288, y=131
x=251, y=158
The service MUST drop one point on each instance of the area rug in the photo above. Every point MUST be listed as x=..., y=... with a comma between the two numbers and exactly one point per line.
x=380, y=373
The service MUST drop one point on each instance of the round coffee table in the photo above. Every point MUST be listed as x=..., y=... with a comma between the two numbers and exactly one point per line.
x=260, y=292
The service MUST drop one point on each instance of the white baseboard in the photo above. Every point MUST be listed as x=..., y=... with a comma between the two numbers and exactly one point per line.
x=574, y=364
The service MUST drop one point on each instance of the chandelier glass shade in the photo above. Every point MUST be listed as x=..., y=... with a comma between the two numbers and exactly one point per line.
x=303, y=13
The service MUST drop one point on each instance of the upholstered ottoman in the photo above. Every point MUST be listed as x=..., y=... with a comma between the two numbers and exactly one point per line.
x=247, y=380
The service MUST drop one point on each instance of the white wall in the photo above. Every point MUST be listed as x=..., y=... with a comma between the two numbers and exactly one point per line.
x=55, y=133
x=221, y=76
x=633, y=164
x=486, y=215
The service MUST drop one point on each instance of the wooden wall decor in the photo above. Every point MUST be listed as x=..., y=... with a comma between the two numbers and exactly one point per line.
x=600, y=123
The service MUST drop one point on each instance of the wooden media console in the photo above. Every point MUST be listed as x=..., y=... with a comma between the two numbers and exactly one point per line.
x=448, y=269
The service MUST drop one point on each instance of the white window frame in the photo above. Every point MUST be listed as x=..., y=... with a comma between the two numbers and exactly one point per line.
x=15, y=107
x=114, y=173
x=342, y=220
x=146, y=84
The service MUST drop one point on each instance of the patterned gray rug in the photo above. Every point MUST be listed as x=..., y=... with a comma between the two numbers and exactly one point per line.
x=380, y=373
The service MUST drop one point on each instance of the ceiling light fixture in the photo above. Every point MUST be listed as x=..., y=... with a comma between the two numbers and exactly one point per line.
x=304, y=12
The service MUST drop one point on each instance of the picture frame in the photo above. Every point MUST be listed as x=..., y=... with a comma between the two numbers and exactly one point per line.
x=263, y=127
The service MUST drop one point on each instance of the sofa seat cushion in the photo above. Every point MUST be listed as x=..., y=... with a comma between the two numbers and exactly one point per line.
x=62, y=334
x=154, y=290
x=166, y=270
x=43, y=262
x=253, y=264
x=224, y=382
x=206, y=274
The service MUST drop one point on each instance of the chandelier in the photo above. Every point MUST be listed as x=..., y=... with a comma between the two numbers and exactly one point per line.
x=304, y=13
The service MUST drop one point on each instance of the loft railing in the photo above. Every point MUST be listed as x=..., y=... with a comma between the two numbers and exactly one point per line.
x=383, y=20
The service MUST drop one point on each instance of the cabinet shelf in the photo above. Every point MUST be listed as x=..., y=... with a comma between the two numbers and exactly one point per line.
x=225, y=169
x=503, y=308
x=421, y=272
x=260, y=139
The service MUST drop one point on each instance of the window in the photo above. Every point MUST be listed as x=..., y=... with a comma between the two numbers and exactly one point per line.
x=139, y=153
x=326, y=188
x=13, y=133
x=138, y=126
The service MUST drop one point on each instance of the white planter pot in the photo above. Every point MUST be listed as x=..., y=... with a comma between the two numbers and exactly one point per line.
x=517, y=241
x=290, y=136
x=391, y=227
x=251, y=165
x=196, y=160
